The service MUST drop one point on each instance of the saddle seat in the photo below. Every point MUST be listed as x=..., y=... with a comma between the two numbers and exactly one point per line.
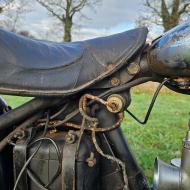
x=31, y=67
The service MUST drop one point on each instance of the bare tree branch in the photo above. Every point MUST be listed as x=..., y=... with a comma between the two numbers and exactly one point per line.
x=51, y=10
x=169, y=12
x=154, y=9
x=78, y=7
x=184, y=8
x=4, y=4
x=64, y=10
x=11, y=16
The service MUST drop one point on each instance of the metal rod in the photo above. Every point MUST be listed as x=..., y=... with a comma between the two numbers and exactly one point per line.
x=23, y=126
x=26, y=110
x=121, y=149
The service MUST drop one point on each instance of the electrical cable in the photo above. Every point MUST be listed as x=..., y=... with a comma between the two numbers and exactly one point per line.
x=35, y=180
x=56, y=114
x=31, y=157
x=119, y=89
x=68, y=117
x=150, y=106
x=75, y=112
x=59, y=112
x=108, y=92
x=58, y=155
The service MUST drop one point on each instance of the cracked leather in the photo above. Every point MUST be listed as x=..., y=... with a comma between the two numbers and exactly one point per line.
x=40, y=68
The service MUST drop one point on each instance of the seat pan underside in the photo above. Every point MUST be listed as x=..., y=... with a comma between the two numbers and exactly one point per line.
x=40, y=68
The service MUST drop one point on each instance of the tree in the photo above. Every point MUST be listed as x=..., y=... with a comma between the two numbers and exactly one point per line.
x=65, y=10
x=26, y=34
x=168, y=12
x=12, y=12
x=4, y=4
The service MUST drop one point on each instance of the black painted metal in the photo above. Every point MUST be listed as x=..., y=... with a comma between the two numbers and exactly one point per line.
x=6, y=157
x=45, y=163
x=21, y=113
x=137, y=180
x=111, y=173
x=169, y=55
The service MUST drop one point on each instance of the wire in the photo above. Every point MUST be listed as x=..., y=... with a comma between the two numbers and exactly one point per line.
x=68, y=117
x=35, y=180
x=150, y=106
x=25, y=166
x=60, y=111
x=120, y=89
x=123, y=87
x=112, y=158
x=56, y=114
x=113, y=90
x=58, y=155
x=75, y=112
x=30, y=158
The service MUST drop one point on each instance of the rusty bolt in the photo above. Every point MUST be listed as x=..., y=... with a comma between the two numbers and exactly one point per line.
x=53, y=131
x=114, y=106
x=70, y=137
x=91, y=161
x=133, y=68
x=115, y=81
x=19, y=134
x=116, y=103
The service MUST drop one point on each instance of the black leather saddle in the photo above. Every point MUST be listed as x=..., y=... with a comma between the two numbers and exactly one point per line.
x=41, y=68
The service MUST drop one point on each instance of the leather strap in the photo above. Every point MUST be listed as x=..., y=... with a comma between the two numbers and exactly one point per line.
x=68, y=166
x=20, y=158
x=20, y=152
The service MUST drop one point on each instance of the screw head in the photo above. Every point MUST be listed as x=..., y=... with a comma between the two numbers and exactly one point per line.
x=115, y=81
x=133, y=68
x=116, y=103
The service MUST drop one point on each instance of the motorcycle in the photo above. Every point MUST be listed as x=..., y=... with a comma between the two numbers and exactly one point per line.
x=68, y=136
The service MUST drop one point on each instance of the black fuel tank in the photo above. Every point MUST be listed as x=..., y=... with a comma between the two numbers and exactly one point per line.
x=170, y=54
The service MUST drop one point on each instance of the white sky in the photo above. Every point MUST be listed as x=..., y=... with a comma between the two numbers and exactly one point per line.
x=111, y=16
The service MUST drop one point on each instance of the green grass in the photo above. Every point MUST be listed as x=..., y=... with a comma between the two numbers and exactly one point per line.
x=163, y=134
x=15, y=101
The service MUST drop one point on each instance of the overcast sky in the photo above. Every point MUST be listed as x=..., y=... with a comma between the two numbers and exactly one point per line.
x=111, y=16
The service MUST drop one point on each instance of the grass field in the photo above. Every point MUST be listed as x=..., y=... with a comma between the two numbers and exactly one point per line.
x=163, y=134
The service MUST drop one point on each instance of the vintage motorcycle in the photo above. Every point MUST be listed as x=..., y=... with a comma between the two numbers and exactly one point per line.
x=68, y=137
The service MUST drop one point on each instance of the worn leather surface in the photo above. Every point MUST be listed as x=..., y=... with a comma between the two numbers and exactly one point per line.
x=42, y=68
